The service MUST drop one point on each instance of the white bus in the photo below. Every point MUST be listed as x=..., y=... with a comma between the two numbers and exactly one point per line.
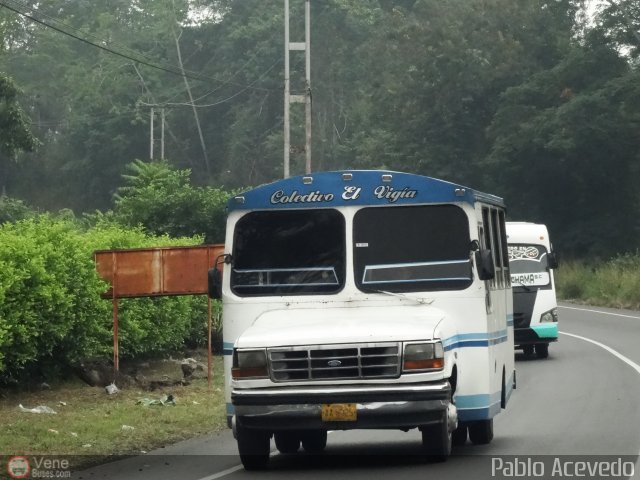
x=535, y=311
x=364, y=300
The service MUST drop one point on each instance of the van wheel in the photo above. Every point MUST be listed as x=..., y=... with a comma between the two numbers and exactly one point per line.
x=287, y=442
x=481, y=432
x=314, y=441
x=253, y=446
x=527, y=350
x=437, y=440
x=542, y=350
x=459, y=435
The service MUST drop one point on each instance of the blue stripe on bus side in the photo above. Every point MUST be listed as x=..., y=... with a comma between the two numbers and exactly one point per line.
x=478, y=407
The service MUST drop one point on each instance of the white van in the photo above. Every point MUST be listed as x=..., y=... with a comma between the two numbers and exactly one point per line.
x=364, y=300
x=535, y=311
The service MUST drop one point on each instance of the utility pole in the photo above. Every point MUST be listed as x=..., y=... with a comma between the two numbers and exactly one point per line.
x=290, y=98
x=152, y=116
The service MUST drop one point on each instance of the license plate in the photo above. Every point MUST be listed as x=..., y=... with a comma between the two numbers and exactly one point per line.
x=339, y=412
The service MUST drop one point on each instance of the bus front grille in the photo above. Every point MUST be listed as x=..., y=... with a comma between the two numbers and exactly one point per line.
x=335, y=362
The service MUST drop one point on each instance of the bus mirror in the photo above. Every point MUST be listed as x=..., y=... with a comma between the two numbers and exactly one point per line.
x=474, y=246
x=484, y=264
x=552, y=260
x=215, y=283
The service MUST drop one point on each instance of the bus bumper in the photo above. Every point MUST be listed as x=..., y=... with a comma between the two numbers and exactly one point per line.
x=542, y=333
x=379, y=406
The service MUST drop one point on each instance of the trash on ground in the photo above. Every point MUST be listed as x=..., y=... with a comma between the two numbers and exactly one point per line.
x=127, y=428
x=73, y=434
x=53, y=431
x=87, y=445
x=164, y=401
x=111, y=389
x=39, y=409
x=62, y=404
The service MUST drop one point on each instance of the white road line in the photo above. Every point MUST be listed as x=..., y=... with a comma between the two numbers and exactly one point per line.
x=615, y=353
x=223, y=473
x=599, y=311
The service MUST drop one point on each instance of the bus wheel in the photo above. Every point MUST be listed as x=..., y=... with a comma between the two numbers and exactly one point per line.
x=287, y=442
x=437, y=440
x=527, y=350
x=542, y=350
x=481, y=432
x=314, y=441
x=459, y=435
x=253, y=446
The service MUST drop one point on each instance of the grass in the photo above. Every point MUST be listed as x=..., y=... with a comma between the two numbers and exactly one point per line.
x=614, y=283
x=89, y=423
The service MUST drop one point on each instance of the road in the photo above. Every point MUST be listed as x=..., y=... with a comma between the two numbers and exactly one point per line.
x=582, y=404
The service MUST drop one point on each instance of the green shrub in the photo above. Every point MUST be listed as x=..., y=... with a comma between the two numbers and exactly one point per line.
x=50, y=297
x=613, y=283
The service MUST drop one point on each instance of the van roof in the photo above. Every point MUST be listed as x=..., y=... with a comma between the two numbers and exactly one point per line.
x=527, y=232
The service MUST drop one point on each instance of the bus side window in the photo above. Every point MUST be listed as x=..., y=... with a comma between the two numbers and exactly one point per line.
x=488, y=241
x=497, y=248
x=505, y=251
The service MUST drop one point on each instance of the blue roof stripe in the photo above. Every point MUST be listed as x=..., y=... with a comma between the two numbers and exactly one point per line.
x=365, y=187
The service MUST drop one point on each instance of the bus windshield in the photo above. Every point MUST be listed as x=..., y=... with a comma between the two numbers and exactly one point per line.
x=528, y=265
x=411, y=249
x=289, y=252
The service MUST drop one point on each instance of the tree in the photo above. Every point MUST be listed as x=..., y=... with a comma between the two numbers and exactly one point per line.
x=15, y=134
x=162, y=200
x=565, y=151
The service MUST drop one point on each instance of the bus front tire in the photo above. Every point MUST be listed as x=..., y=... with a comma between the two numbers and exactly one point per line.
x=254, y=447
x=481, y=432
x=437, y=440
x=314, y=441
x=287, y=442
x=542, y=350
x=459, y=435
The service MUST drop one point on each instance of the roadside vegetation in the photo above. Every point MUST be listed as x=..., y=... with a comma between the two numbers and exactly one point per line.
x=613, y=283
x=90, y=425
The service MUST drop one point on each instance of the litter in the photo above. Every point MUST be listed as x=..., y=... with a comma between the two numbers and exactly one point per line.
x=164, y=401
x=111, y=389
x=53, y=431
x=39, y=409
x=127, y=428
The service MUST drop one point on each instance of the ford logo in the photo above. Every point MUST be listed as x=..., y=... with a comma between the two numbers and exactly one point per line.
x=334, y=363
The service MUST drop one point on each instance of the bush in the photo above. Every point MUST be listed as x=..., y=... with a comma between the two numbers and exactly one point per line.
x=613, y=283
x=50, y=297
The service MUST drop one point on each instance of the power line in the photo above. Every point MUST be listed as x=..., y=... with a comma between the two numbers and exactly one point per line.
x=190, y=75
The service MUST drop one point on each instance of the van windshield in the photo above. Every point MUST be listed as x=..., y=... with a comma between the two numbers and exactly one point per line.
x=412, y=249
x=528, y=265
x=289, y=253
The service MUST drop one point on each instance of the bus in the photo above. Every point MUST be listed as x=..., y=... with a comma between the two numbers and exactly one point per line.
x=535, y=310
x=364, y=299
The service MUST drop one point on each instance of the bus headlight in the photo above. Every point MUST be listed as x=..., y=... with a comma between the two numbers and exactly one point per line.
x=249, y=364
x=550, y=316
x=423, y=356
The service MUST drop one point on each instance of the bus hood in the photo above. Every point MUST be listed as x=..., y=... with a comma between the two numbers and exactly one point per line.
x=279, y=328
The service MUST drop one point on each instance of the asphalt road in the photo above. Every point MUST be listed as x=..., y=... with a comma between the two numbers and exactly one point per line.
x=582, y=404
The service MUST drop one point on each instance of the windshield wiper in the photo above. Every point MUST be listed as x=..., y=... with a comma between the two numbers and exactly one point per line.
x=520, y=284
x=420, y=301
